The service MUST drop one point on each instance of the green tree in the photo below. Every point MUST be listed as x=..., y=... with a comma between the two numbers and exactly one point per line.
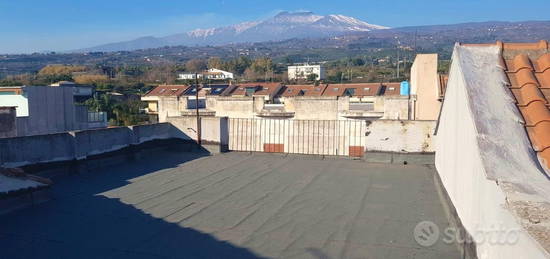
x=312, y=77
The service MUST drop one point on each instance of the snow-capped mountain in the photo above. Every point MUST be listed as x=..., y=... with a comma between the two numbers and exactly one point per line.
x=285, y=25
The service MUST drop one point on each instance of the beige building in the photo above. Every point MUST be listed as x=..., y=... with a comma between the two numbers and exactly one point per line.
x=370, y=101
x=361, y=101
x=425, y=88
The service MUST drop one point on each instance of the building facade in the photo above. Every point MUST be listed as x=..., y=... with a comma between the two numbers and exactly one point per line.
x=371, y=101
x=425, y=87
x=45, y=110
x=304, y=71
x=211, y=74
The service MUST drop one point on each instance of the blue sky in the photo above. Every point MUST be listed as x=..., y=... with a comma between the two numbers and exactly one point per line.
x=38, y=25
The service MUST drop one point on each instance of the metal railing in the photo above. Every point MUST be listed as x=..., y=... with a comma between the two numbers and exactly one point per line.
x=315, y=137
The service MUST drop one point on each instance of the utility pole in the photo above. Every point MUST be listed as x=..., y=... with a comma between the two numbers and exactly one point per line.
x=397, y=61
x=197, y=108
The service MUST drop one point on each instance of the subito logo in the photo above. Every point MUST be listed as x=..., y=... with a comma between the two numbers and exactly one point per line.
x=426, y=233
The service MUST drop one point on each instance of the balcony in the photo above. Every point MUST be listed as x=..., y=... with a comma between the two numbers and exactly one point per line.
x=361, y=110
x=274, y=110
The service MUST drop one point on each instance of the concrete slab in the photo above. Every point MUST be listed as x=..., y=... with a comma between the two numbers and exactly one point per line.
x=399, y=158
x=232, y=205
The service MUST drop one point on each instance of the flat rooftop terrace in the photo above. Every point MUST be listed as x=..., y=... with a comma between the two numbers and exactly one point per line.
x=232, y=205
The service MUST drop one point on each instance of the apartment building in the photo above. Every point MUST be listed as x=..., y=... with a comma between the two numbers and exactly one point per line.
x=211, y=74
x=177, y=100
x=303, y=71
x=47, y=109
x=274, y=100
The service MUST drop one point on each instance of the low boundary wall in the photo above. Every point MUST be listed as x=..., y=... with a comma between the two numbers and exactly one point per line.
x=78, y=145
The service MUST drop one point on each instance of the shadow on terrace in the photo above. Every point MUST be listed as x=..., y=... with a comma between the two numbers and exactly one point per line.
x=79, y=222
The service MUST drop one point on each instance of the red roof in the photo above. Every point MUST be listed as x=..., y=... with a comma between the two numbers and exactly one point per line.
x=268, y=89
x=168, y=90
x=528, y=70
x=303, y=90
x=364, y=89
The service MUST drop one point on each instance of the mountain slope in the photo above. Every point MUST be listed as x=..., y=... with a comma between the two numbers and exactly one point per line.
x=284, y=25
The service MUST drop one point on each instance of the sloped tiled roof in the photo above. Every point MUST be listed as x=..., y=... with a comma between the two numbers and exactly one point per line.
x=168, y=90
x=363, y=89
x=206, y=90
x=528, y=71
x=268, y=89
x=305, y=90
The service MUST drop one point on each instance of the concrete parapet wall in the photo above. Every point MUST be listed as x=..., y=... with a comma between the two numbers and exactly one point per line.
x=20, y=151
x=210, y=127
x=400, y=136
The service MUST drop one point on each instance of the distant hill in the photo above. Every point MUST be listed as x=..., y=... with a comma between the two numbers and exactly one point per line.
x=366, y=44
x=284, y=25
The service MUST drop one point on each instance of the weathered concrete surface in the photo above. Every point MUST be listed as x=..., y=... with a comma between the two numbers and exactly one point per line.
x=8, y=127
x=20, y=151
x=400, y=136
x=232, y=205
x=399, y=158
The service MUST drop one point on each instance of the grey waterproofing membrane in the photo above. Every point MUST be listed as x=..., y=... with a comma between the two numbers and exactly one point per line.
x=232, y=205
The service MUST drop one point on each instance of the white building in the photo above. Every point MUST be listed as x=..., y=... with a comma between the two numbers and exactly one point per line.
x=212, y=74
x=45, y=110
x=303, y=71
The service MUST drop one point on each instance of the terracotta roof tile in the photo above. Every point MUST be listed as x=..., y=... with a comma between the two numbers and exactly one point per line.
x=528, y=71
x=168, y=90
x=540, y=135
x=535, y=113
x=524, y=46
x=392, y=89
x=523, y=77
x=363, y=89
x=303, y=90
x=519, y=62
x=268, y=89
x=544, y=79
x=528, y=94
x=543, y=63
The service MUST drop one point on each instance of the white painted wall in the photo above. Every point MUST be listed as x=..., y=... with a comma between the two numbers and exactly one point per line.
x=19, y=101
x=400, y=136
x=479, y=201
x=301, y=72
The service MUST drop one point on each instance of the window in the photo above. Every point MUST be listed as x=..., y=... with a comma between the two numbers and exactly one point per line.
x=335, y=89
x=392, y=88
x=366, y=88
x=250, y=91
x=349, y=92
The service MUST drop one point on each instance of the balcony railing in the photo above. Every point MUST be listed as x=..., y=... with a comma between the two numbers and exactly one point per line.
x=361, y=106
